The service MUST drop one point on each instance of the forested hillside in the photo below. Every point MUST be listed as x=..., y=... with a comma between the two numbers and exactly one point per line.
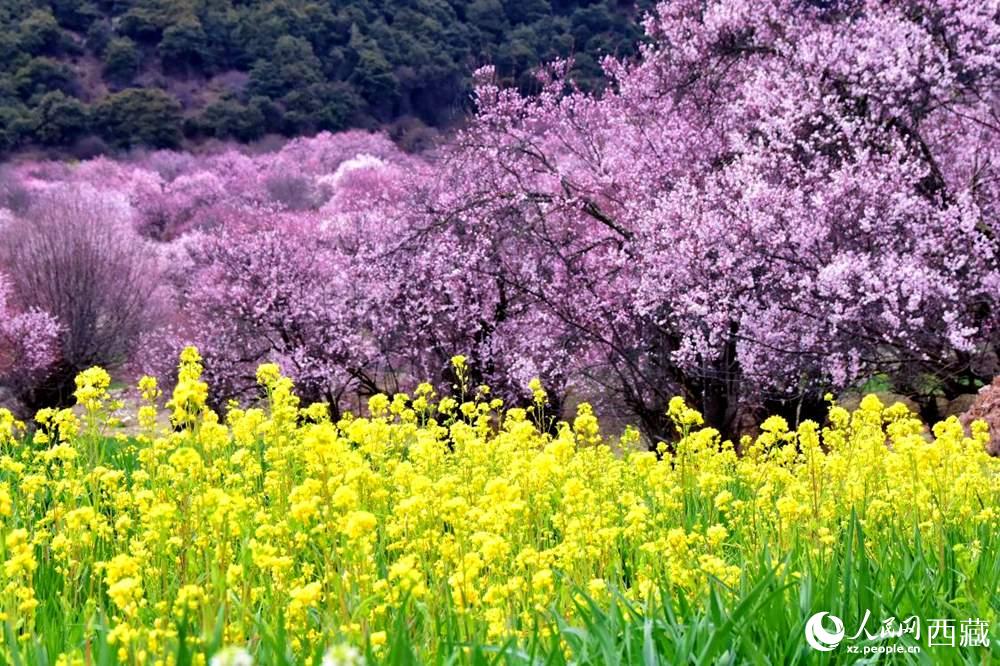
x=87, y=75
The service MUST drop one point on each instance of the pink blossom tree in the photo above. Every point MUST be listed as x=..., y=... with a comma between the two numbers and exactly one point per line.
x=306, y=288
x=273, y=292
x=777, y=199
x=74, y=255
x=28, y=346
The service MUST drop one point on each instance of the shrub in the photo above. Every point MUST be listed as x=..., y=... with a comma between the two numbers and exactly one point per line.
x=121, y=61
x=74, y=255
x=28, y=346
x=40, y=33
x=60, y=120
x=99, y=35
x=144, y=116
x=227, y=117
x=42, y=75
x=184, y=45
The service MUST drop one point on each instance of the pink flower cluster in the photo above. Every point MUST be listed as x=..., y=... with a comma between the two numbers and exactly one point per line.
x=776, y=199
x=28, y=343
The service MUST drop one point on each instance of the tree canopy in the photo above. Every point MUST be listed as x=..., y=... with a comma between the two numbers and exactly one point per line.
x=289, y=66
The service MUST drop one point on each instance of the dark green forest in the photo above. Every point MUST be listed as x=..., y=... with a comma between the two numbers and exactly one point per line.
x=88, y=76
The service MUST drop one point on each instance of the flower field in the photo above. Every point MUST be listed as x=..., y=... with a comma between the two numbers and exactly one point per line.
x=452, y=530
x=727, y=320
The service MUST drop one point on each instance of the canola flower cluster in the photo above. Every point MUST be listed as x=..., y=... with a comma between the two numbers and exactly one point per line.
x=453, y=508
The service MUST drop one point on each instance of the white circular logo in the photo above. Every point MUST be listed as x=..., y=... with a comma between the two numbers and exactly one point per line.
x=821, y=639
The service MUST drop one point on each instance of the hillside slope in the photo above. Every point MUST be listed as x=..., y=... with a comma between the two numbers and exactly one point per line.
x=91, y=74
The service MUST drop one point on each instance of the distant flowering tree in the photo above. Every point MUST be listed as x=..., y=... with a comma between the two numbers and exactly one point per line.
x=275, y=292
x=326, y=152
x=74, y=255
x=28, y=346
x=269, y=281
x=776, y=199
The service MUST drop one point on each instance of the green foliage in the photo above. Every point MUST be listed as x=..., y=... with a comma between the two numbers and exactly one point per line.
x=40, y=33
x=324, y=106
x=146, y=20
x=145, y=116
x=74, y=14
x=311, y=64
x=487, y=16
x=15, y=123
x=372, y=75
x=59, y=119
x=527, y=11
x=42, y=75
x=292, y=66
x=99, y=35
x=121, y=61
x=10, y=51
x=184, y=45
x=229, y=118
